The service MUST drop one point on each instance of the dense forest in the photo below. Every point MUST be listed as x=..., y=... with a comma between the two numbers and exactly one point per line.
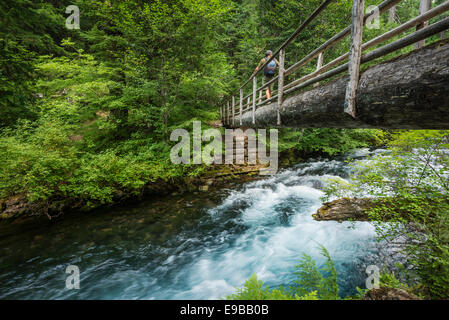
x=86, y=114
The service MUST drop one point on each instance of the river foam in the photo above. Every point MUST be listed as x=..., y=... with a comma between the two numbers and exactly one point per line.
x=196, y=248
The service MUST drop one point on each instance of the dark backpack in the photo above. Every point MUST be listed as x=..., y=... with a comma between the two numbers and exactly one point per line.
x=270, y=69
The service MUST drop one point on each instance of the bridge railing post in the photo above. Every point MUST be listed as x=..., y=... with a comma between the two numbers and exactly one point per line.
x=319, y=64
x=280, y=84
x=424, y=6
x=241, y=105
x=355, y=54
x=254, y=98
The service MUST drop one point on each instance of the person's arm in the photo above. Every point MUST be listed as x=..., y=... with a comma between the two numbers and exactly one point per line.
x=261, y=63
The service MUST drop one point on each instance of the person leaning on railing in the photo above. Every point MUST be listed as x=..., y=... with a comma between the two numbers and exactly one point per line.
x=268, y=71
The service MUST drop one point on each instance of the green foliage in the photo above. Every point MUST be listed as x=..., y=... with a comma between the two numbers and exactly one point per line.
x=310, y=278
x=253, y=289
x=328, y=141
x=411, y=190
x=109, y=94
x=27, y=28
x=389, y=280
x=386, y=280
x=310, y=284
x=105, y=96
x=86, y=114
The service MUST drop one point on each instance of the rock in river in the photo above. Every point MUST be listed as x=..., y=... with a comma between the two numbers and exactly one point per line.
x=344, y=209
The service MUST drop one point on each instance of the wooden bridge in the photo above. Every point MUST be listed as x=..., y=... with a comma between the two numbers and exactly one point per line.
x=408, y=92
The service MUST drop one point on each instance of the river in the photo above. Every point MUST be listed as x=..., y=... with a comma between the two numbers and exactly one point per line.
x=196, y=246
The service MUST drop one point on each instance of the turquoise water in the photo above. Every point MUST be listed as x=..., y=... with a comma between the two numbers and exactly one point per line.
x=199, y=246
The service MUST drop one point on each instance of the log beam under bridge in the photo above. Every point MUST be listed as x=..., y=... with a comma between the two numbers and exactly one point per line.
x=408, y=92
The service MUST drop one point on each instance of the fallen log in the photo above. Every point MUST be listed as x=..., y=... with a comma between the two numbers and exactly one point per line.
x=408, y=92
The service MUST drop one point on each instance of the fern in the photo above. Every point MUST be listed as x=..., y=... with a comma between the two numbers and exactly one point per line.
x=311, y=283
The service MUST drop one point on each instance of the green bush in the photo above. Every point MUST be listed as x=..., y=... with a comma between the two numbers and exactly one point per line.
x=311, y=283
x=411, y=191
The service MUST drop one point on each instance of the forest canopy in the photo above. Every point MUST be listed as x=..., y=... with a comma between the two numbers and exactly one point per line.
x=87, y=113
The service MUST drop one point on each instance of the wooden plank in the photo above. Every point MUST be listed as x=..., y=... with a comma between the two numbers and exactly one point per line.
x=268, y=83
x=272, y=99
x=241, y=105
x=319, y=65
x=249, y=95
x=280, y=84
x=254, y=98
x=354, y=56
x=424, y=6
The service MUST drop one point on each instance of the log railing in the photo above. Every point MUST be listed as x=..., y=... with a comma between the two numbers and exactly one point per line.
x=231, y=107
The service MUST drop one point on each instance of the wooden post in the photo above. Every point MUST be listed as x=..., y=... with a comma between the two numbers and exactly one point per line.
x=424, y=6
x=355, y=54
x=233, y=110
x=319, y=64
x=221, y=113
x=392, y=14
x=241, y=105
x=254, y=98
x=281, y=83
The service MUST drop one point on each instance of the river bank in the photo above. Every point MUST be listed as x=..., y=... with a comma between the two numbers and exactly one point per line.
x=191, y=246
x=215, y=176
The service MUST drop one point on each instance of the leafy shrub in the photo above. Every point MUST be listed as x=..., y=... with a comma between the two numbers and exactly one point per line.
x=411, y=193
x=310, y=284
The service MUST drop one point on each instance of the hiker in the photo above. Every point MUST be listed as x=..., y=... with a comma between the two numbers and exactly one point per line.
x=268, y=71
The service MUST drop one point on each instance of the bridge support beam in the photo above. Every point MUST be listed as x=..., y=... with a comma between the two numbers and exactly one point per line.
x=408, y=92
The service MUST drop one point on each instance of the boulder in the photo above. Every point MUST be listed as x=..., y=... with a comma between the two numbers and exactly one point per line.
x=385, y=293
x=344, y=209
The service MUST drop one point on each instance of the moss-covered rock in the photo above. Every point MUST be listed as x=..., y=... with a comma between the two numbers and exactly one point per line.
x=344, y=209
